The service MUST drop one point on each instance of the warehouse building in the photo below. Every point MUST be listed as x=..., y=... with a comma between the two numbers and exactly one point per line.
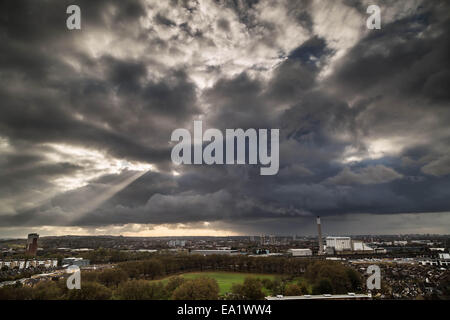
x=300, y=252
x=339, y=243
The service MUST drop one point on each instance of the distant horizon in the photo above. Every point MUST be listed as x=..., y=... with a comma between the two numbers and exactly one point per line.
x=235, y=236
x=94, y=120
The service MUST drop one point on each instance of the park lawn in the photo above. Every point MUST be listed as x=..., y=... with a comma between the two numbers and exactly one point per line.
x=224, y=279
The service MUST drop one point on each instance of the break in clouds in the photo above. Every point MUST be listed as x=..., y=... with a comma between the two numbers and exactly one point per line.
x=87, y=115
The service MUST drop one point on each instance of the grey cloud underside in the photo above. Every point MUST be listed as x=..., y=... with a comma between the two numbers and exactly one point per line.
x=366, y=131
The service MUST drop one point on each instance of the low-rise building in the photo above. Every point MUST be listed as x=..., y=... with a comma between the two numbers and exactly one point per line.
x=176, y=243
x=300, y=252
x=361, y=246
x=75, y=261
x=444, y=256
x=25, y=264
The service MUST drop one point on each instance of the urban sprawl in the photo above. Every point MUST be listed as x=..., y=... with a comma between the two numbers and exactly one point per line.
x=412, y=266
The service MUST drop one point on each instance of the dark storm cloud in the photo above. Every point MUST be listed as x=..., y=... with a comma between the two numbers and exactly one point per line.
x=160, y=19
x=413, y=51
x=363, y=129
x=27, y=116
x=237, y=102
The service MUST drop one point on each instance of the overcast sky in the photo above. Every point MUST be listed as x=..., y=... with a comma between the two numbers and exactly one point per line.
x=86, y=116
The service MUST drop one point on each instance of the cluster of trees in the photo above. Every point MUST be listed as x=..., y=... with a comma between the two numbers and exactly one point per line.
x=255, y=288
x=55, y=290
x=162, y=265
x=100, y=287
x=103, y=255
x=8, y=274
x=251, y=289
x=332, y=277
x=136, y=280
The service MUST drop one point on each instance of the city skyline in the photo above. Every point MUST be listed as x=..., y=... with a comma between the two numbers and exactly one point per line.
x=334, y=227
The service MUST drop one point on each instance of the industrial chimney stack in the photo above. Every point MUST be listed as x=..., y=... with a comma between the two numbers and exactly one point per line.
x=32, y=244
x=319, y=229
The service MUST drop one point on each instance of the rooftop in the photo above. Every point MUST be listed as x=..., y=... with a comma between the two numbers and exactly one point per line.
x=322, y=296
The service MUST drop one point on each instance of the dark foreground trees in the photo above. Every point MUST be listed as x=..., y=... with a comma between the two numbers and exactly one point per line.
x=293, y=289
x=141, y=290
x=138, y=280
x=90, y=291
x=251, y=289
x=197, y=289
x=332, y=277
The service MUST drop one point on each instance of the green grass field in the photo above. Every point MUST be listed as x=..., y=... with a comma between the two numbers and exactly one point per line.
x=224, y=279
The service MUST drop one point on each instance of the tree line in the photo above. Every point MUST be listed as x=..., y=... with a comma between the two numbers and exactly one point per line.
x=136, y=280
x=166, y=265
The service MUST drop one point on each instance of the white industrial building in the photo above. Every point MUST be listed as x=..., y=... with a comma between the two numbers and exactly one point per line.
x=444, y=256
x=361, y=246
x=300, y=252
x=339, y=243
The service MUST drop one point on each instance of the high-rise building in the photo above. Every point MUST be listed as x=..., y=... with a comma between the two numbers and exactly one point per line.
x=32, y=244
x=262, y=239
x=272, y=239
x=319, y=230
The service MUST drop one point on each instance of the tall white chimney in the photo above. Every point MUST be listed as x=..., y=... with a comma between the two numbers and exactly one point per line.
x=319, y=229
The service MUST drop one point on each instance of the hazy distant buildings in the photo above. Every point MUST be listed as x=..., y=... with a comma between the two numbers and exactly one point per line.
x=177, y=243
x=210, y=252
x=32, y=244
x=272, y=239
